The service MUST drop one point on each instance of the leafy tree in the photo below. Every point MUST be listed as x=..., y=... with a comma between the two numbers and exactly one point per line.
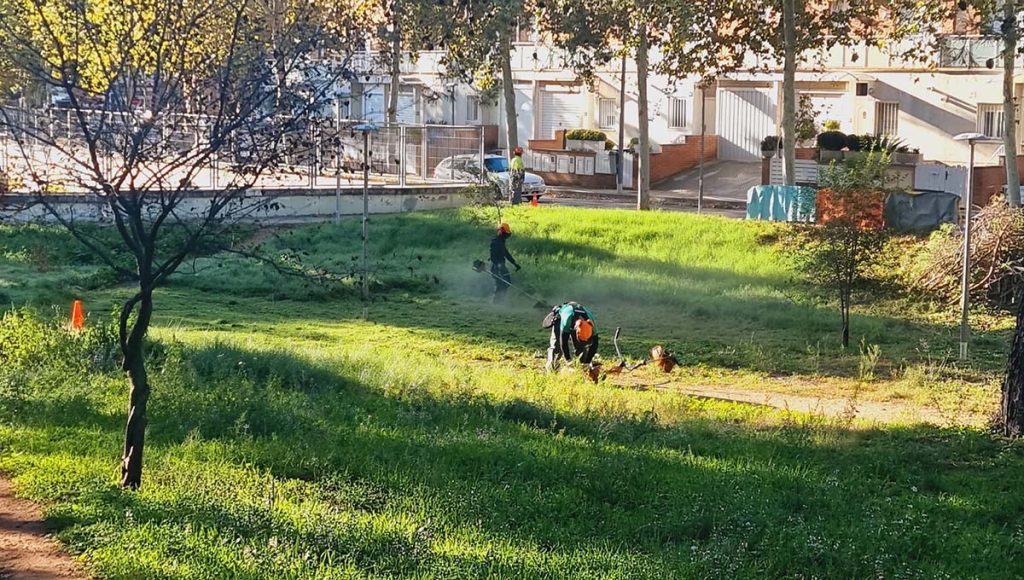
x=208, y=56
x=838, y=253
x=477, y=38
x=593, y=32
x=790, y=31
x=1002, y=20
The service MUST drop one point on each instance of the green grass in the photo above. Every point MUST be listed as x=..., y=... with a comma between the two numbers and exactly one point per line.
x=290, y=439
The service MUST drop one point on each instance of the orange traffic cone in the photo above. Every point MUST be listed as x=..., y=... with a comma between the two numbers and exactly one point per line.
x=77, y=315
x=534, y=202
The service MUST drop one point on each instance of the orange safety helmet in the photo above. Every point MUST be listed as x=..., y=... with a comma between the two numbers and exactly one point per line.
x=517, y=151
x=584, y=330
x=504, y=229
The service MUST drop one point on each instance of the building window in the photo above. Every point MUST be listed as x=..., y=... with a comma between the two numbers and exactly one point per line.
x=886, y=118
x=677, y=113
x=991, y=119
x=472, y=109
x=524, y=30
x=608, y=113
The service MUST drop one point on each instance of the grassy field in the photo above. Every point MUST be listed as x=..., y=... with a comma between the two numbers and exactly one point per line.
x=289, y=438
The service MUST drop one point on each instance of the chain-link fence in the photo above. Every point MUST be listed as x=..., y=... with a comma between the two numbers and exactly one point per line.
x=316, y=153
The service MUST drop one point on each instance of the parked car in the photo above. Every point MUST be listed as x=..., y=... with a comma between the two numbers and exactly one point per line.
x=59, y=98
x=496, y=168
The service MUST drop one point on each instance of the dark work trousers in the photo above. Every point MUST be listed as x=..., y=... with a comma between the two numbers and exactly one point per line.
x=517, y=178
x=501, y=281
x=585, y=351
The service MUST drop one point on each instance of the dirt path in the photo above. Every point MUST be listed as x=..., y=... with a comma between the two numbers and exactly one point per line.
x=877, y=411
x=26, y=552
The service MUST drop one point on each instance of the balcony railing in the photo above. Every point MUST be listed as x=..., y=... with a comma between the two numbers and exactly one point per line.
x=969, y=52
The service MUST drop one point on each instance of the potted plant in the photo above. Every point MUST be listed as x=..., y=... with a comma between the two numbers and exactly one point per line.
x=831, y=145
x=585, y=140
x=856, y=145
x=904, y=155
x=770, y=145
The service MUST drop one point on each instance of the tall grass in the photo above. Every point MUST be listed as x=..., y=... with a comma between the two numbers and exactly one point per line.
x=290, y=439
x=277, y=458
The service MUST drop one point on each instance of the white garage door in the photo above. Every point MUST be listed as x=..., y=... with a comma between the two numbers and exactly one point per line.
x=524, y=114
x=406, y=112
x=374, y=109
x=745, y=117
x=828, y=106
x=559, y=111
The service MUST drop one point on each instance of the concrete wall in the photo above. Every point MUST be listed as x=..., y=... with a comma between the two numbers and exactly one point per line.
x=933, y=108
x=284, y=206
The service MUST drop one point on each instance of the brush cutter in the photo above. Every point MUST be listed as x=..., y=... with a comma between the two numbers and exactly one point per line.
x=480, y=266
x=621, y=366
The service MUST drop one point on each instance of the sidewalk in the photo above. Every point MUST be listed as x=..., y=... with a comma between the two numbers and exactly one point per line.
x=671, y=197
x=725, y=186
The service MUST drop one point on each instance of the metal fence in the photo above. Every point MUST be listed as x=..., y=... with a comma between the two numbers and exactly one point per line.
x=315, y=154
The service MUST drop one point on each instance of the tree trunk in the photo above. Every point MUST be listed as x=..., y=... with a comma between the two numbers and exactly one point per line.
x=396, y=67
x=643, y=190
x=1011, y=411
x=508, y=90
x=846, y=326
x=1009, y=105
x=789, y=91
x=132, y=347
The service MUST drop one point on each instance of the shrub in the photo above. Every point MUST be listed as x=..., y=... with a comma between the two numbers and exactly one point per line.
x=771, y=143
x=853, y=142
x=609, y=145
x=867, y=173
x=831, y=125
x=586, y=135
x=806, y=125
x=30, y=342
x=869, y=142
x=832, y=141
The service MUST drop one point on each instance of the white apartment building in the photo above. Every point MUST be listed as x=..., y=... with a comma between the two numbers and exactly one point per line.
x=866, y=89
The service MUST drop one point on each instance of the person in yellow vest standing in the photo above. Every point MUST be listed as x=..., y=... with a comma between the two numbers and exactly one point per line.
x=516, y=176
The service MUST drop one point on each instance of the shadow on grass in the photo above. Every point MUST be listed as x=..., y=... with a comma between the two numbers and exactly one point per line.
x=685, y=493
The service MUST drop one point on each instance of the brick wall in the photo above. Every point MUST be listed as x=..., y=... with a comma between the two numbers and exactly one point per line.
x=806, y=153
x=989, y=181
x=673, y=159
x=679, y=157
x=556, y=144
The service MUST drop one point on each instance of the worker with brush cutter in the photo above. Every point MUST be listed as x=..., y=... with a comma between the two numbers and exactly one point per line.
x=571, y=322
x=499, y=253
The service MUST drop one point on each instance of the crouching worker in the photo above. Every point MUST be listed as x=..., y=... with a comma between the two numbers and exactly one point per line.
x=571, y=322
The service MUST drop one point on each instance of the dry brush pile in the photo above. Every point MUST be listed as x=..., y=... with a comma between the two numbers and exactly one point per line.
x=997, y=257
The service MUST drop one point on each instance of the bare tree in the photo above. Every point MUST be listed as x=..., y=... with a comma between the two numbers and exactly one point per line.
x=125, y=142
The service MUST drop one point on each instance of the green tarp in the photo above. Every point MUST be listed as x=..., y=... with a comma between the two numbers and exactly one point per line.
x=781, y=203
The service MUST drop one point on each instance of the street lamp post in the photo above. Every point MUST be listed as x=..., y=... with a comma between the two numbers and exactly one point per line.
x=622, y=128
x=965, y=274
x=366, y=129
x=337, y=158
